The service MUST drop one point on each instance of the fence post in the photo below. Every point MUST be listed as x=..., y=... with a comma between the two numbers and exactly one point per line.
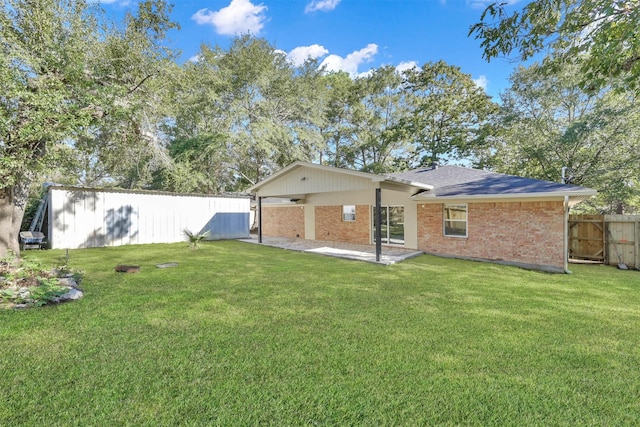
x=636, y=238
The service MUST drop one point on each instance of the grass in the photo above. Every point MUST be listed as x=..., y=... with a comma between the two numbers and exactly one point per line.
x=241, y=334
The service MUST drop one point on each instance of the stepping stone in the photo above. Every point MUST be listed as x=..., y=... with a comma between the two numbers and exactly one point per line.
x=167, y=265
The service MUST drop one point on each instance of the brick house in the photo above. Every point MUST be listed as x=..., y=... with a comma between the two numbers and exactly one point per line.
x=443, y=210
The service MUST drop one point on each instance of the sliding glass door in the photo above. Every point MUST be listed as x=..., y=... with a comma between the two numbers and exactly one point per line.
x=391, y=225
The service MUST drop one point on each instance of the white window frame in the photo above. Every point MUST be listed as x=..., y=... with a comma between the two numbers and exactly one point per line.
x=465, y=221
x=348, y=213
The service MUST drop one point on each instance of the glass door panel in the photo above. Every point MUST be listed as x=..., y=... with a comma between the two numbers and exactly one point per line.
x=392, y=225
x=384, y=228
x=396, y=225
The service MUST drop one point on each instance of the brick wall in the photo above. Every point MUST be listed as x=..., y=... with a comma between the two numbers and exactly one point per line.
x=331, y=227
x=524, y=232
x=286, y=221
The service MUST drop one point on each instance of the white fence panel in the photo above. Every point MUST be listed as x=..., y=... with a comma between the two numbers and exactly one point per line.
x=83, y=217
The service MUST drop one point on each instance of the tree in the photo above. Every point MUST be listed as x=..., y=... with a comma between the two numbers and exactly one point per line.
x=64, y=71
x=242, y=113
x=264, y=106
x=447, y=113
x=338, y=109
x=548, y=122
x=380, y=108
x=602, y=36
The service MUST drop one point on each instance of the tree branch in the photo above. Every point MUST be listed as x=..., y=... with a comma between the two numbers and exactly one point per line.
x=136, y=87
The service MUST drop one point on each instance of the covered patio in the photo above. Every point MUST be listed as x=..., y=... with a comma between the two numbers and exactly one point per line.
x=389, y=255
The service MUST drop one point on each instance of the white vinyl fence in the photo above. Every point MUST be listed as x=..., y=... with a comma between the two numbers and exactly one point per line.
x=87, y=217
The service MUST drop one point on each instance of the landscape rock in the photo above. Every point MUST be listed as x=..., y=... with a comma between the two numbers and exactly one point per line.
x=67, y=281
x=73, y=294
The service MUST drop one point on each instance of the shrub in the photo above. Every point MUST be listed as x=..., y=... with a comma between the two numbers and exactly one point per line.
x=194, y=239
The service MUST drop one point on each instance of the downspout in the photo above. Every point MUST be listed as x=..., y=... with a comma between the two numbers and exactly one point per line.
x=259, y=219
x=566, y=235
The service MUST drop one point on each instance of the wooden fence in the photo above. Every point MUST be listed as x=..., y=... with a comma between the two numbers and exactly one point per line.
x=606, y=238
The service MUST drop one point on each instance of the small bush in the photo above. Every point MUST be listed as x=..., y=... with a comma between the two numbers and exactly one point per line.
x=194, y=239
x=24, y=281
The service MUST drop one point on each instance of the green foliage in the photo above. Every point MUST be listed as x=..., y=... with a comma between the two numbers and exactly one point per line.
x=447, y=113
x=68, y=75
x=362, y=116
x=303, y=339
x=601, y=36
x=195, y=239
x=47, y=291
x=26, y=281
x=244, y=112
x=240, y=114
x=547, y=122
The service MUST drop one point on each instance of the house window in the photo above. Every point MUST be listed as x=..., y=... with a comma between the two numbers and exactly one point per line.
x=455, y=220
x=349, y=213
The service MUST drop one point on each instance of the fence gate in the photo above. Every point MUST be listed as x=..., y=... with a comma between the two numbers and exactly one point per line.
x=587, y=238
x=623, y=239
x=606, y=238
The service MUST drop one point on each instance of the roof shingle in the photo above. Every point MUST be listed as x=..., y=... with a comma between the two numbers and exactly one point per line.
x=461, y=181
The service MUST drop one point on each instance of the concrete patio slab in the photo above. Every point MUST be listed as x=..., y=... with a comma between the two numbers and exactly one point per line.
x=367, y=253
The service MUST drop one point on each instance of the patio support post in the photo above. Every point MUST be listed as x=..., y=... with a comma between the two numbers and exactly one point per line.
x=259, y=219
x=378, y=223
x=565, y=246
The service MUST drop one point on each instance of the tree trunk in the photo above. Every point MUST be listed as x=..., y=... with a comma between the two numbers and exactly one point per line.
x=12, y=205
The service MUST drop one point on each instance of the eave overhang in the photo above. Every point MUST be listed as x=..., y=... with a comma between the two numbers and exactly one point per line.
x=379, y=180
x=575, y=197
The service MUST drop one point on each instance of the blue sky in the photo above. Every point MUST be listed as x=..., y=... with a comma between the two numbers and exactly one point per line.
x=350, y=35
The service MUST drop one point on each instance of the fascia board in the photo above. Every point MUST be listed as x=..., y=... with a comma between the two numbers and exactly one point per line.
x=373, y=177
x=283, y=171
x=577, y=194
x=408, y=183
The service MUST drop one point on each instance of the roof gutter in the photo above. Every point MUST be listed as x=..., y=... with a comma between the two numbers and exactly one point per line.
x=393, y=179
x=574, y=197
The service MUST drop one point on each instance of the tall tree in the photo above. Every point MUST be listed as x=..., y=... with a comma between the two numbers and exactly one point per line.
x=380, y=109
x=447, y=113
x=263, y=108
x=548, y=122
x=246, y=111
x=64, y=70
x=338, y=111
x=602, y=36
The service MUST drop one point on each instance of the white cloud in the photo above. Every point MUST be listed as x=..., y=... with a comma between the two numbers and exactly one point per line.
x=321, y=5
x=301, y=53
x=351, y=62
x=481, y=82
x=406, y=65
x=241, y=16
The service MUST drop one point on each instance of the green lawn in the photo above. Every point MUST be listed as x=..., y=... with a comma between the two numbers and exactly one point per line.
x=240, y=334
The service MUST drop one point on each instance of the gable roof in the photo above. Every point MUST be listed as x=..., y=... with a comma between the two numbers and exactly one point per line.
x=428, y=183
x=346, y=172
x=461, y=182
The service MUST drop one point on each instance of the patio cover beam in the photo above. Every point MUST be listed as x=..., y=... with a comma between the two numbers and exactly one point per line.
x=378, y=227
